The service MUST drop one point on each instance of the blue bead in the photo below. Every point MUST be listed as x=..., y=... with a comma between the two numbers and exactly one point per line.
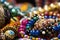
x=55, y=28
x=32, y=32
x=46, y=17
x=50, y=16
x=54, y=17
x=37, y=32
x=59, y=36
x=32, y=21
x=2, y=1
x=58, y=26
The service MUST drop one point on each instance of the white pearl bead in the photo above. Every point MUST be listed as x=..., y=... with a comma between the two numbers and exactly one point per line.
x=43, y=32
x=10, y=6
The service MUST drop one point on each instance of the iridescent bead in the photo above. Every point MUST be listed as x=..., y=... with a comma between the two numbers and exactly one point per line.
x=59, y=36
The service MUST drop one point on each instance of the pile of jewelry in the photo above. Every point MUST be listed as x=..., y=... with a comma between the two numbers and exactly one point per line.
x=34, y=23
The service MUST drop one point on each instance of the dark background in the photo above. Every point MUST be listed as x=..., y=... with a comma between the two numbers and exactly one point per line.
x=29, y=1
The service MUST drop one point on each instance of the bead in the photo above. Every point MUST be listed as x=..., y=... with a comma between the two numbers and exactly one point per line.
x=27, y=27
x=2, y=1
x=43, y=32
x=24, y=22
x=59, y=36
x=46, y=13
x=32, y=32
x=10, y=6
x=13, y=12
x=37, y=32
x=22, y=26
x=54, y=17
x=50, y=16
x=6, y=3
x=35, y=18
x=9, y=33
x=46, y=17
x=32, y=21
x=55, y=28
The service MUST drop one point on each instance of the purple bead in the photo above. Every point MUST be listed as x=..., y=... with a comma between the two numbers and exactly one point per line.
x=24, y=22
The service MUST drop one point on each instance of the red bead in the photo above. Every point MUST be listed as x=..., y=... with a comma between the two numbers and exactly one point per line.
x=46, y=13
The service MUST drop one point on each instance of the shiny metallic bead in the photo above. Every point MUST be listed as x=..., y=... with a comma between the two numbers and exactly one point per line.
x=13, y=12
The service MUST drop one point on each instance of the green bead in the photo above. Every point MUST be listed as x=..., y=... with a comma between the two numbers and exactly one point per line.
x=13, y=12
x=35, y=18
x=58, y=22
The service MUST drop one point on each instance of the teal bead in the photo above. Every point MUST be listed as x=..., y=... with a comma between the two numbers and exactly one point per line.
x=35, y=18
x=58, y=22
x=2, y=1
x=13, y=12
x=27, y=27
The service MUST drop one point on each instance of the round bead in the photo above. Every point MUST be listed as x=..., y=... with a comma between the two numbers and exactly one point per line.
x=59, y=36
x=35, y=18
x=46, y=17
x=32, y=32
x=54, y=17
x=32, y=21
x=43, y=32
x=2, y=1
x=37, y=32
x=24, y=22
x=55, y=28
x=10, y=32
x=50, y=16
x=13, y=12
x=22, y=26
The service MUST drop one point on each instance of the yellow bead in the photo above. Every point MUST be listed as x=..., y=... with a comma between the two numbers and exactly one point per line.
x=33, y=38
x=36, y=38
x=55, y=38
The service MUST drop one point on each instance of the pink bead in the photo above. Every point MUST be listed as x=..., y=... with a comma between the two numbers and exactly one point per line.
x=24, y=22
x=22, y=26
